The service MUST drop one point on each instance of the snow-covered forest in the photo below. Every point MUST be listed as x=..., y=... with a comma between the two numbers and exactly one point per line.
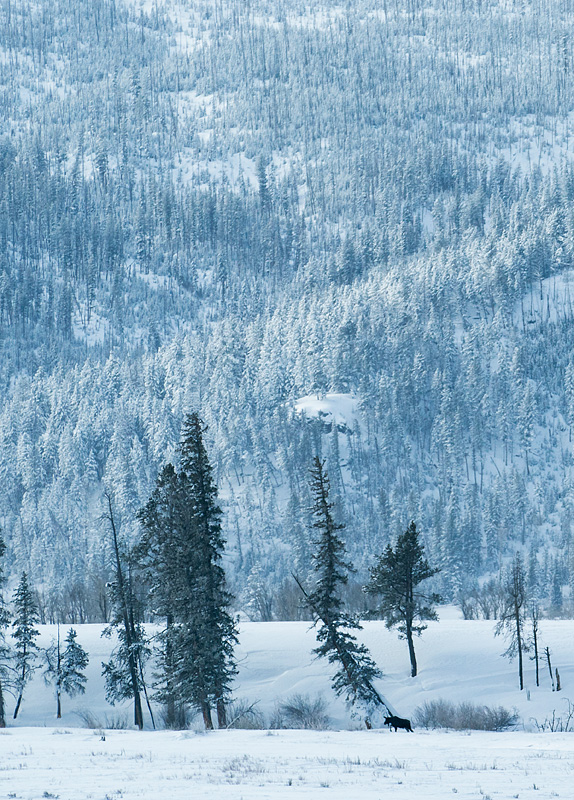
x=343, y=229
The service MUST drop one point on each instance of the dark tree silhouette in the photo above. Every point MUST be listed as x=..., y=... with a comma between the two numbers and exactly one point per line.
x=512, y=619
x=356, y=669
x=395, y=579
x=24, y=633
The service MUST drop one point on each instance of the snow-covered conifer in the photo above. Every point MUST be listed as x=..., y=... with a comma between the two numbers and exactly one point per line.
x=356, y=670
x=64, y=668
x=395, y=579
x=24, y=634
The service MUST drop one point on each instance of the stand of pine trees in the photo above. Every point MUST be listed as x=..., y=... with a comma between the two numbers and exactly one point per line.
x=180, y=552
x=178, y=563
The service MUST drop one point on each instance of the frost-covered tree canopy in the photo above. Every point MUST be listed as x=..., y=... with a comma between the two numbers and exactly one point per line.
x=227, y=207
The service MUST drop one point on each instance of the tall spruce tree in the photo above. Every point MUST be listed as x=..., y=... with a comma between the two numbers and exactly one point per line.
x=64, y=668
x=165, y=552
x=181, y=549
x=356, y=669
x=210, y=630
x=4, y=649
x=124, y=673
x=24, y=633
x=395, y=578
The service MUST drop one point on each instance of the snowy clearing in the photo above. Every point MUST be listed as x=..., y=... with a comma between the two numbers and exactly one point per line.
x=73, y=765
x=459, y=661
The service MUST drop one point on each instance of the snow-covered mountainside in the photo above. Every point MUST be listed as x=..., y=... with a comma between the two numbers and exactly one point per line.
x=342, y=230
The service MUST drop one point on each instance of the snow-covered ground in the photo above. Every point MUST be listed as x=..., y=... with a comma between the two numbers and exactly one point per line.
x=337, y=407
x=459, y=660
x=257, y=765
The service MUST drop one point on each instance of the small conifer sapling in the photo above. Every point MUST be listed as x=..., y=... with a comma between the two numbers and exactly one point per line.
x=64, y=668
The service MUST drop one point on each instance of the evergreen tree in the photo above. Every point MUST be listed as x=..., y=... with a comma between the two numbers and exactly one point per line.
x=395, y=578
x=210, y=629
x=65, y=668
x=26, y=616
x=556, y=591
x=4, y=649
x=181, y=550
x=356, y=669
x=512, y=620
x=123, y=673
x=163, y=552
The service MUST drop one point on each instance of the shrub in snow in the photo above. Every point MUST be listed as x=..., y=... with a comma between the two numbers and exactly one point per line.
x=245, y=716
x=464, y=716
x=302, y=711
x=88, y=719
x=557, y=723
x=175, y=717
x=117, y=722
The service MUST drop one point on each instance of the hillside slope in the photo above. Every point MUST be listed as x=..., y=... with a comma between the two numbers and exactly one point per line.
x=229, y=209
x=459, y=660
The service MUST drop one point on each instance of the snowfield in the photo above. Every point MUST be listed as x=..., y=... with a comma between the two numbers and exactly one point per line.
x=459, y=660
x=256, y=765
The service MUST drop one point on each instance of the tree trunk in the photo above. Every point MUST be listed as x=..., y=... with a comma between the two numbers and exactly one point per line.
x=206, y=712
x=17, y=709
x=22, y=678
x=58, y=678
x=550, y=667
x=411, y=649
x=519, y=646
x=127, y=614
x=535, y=638
x=221, y=713
x=170, y=720
x=138, y=714
x=2, y=708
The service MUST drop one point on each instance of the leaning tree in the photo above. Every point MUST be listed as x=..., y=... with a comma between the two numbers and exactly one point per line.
x=356, y=670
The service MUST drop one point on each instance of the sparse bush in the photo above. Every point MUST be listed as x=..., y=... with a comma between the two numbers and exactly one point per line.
x=302, y=711
x=88, y=719
x=464, y=716
x=116, y=722
x=557, y=723
x=243, y=715
x=182, y=718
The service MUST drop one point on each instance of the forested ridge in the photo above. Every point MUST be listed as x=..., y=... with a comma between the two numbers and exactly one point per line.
x=226, y=207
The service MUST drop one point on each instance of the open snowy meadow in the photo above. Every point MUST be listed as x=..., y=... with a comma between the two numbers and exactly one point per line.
x=459, y=660
x=244, y=765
